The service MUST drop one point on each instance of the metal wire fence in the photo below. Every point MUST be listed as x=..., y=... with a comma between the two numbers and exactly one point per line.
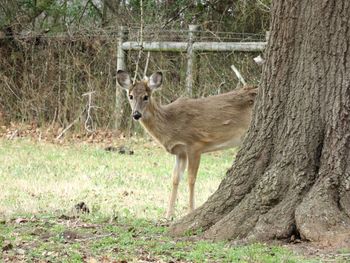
x=43, y=77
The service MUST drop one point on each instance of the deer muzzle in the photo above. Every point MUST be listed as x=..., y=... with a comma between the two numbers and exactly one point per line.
x=136, y=115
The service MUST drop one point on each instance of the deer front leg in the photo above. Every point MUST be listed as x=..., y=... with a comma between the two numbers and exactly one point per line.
x=179, y=168
x=193, y=165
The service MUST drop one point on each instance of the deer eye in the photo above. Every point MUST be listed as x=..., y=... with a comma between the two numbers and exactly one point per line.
x=145, y=98
x=131, y=97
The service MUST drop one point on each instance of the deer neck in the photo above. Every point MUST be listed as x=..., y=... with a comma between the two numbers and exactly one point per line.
x=155, y=120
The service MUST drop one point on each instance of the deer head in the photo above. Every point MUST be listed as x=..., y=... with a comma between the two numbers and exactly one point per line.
x=140, y=93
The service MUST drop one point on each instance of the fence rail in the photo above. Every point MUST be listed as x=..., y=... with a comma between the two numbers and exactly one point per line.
x=197, y=46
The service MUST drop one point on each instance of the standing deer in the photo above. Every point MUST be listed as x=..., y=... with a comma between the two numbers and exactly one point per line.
x=189, y=127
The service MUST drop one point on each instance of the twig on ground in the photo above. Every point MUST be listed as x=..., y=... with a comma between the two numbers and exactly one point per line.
x=69, y=126
x=13, y=134
x=93, y=237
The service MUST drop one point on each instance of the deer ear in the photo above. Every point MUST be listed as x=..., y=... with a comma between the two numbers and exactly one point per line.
x=155, y=81
x=123, y=79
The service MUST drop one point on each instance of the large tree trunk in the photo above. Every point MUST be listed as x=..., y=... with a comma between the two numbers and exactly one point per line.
x=292, y=174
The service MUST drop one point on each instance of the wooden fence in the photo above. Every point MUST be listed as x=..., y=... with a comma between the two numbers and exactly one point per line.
x=191, y=47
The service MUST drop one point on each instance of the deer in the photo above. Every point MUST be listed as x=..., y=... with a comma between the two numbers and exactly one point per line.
x=189, y=127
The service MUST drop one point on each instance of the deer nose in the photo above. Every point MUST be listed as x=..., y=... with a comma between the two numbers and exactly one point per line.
x=137, y=115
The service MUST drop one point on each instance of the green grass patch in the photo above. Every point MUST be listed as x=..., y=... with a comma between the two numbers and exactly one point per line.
x=80, y=239
x=127, y=197
x=41, y=178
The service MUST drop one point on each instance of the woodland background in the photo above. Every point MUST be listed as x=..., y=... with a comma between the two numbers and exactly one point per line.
x=54, y=52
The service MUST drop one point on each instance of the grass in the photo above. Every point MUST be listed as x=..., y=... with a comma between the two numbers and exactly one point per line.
x=89, y=239
x=127, y=196
x=39, y=177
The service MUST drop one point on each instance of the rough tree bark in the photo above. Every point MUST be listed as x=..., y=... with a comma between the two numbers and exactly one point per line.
x=292, y=174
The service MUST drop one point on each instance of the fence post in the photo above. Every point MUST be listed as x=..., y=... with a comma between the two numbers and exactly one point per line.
x=121, y=54
x=120, y=97
x=190, y=58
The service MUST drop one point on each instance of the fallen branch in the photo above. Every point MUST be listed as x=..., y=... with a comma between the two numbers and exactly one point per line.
x=93, y=237
x=69, y=126
x=239, y=76
x=88, y=110
x=13, y=134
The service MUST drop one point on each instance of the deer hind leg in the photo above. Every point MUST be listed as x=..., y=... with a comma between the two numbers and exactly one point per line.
x=179, y=168
x=193, y=165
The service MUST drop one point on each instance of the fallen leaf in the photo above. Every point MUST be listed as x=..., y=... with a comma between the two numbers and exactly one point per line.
x=7, y=246
x=20, y=251
x=70, y=235
x=21, y=220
